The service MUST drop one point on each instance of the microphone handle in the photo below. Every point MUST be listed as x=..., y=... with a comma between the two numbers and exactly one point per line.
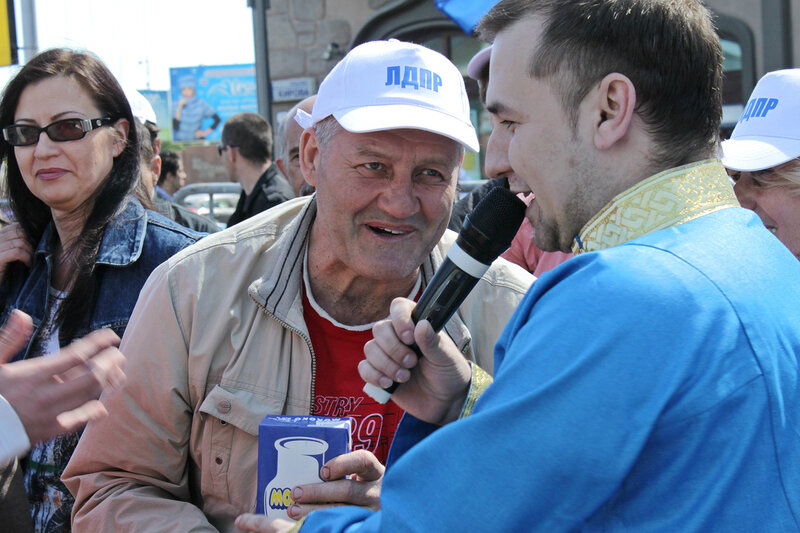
x=447, y=290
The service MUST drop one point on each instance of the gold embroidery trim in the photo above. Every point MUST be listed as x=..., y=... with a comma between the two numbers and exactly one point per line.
x=666, y=199
x=480, y=382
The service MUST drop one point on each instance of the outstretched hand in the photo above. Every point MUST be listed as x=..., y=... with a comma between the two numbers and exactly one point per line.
x=57, y=393
x=350, y=479
x=435, y=386
x=356, y=480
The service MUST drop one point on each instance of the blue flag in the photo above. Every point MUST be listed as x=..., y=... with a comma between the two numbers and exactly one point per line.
x=465, y=13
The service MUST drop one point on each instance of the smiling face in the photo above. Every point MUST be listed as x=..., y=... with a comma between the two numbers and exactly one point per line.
x=64, y=175
x=383, y=200
x=544, y=150
x=778, y=205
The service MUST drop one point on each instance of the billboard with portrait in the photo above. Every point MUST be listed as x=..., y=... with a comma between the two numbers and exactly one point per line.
x=203, y=97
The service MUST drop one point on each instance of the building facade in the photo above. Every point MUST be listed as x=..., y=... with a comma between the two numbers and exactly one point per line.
x=307, y=37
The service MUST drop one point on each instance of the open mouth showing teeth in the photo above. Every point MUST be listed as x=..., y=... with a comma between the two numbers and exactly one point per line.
x=385, y=231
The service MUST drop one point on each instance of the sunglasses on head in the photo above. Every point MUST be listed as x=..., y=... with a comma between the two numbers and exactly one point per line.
x=222, y=147
x=69, y=129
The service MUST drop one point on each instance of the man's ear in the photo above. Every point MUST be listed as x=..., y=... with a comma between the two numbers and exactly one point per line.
x=309, y=155
x=616, y=102
x=155, y=166
x=281, y=166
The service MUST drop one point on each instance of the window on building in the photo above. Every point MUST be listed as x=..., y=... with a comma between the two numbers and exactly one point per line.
x=738, y=69
x=733, y=97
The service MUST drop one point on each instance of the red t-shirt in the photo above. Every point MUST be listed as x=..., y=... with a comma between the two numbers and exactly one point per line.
x=338, y=386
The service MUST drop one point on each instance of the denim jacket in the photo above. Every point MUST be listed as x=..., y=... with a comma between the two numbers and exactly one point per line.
x=134, y=243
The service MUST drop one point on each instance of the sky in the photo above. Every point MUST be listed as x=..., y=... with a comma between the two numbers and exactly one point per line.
x=139, y=40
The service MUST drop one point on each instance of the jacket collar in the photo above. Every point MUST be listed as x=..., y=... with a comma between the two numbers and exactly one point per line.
x=123, y=238
x=278, y=291
x=264, y=180
x=663, y=200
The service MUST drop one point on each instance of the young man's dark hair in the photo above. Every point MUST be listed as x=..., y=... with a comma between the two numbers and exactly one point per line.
x=251, y=134
x=647, y=42
x=169, y=165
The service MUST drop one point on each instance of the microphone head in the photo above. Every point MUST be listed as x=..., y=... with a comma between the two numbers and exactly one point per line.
x=489, y=229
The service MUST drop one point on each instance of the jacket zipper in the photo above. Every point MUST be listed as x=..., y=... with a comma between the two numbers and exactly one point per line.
x=310, y=348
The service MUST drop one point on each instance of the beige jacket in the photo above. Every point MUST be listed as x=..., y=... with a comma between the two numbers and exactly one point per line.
x=217, y=340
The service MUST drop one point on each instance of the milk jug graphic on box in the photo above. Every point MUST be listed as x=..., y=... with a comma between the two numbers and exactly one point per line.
x=291, y=452
x=299, y=462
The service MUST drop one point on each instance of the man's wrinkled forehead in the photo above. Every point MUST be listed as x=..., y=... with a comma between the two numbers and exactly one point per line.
x=393, y=142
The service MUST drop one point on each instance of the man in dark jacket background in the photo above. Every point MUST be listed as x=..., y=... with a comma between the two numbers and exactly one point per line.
x=246, y=152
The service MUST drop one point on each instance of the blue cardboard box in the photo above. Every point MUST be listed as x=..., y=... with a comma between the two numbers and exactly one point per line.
x=291, y=452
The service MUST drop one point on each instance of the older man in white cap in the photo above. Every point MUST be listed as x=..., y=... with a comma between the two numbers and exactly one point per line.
x=270, y=316
x=763, y=155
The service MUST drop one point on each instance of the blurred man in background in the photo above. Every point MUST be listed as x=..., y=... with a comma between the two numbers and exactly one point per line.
x=172, y=176
x=288, y=151
x=246, y=152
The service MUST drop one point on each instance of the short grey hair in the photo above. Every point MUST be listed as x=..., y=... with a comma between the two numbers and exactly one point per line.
x=325, y=130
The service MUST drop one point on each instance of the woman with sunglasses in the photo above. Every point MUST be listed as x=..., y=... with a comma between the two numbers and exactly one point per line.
x=81, y=246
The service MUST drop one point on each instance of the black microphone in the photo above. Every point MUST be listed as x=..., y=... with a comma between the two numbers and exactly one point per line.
x=486, y=233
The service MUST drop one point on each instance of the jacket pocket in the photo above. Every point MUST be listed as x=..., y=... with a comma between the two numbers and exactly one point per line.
x=229, y=446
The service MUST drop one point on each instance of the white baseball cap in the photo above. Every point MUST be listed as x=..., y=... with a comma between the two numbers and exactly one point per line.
x=768, y=132
x=478, y=62
x=140, y=106
x=387, y=85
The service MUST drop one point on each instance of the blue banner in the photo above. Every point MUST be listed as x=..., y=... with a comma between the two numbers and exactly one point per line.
x=465, y=13
x=203, y=97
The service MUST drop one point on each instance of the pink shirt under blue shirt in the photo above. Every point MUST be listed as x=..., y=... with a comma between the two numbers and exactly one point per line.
x=525, y=254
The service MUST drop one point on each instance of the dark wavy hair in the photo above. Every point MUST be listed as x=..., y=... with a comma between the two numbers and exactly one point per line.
x=34, y=215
